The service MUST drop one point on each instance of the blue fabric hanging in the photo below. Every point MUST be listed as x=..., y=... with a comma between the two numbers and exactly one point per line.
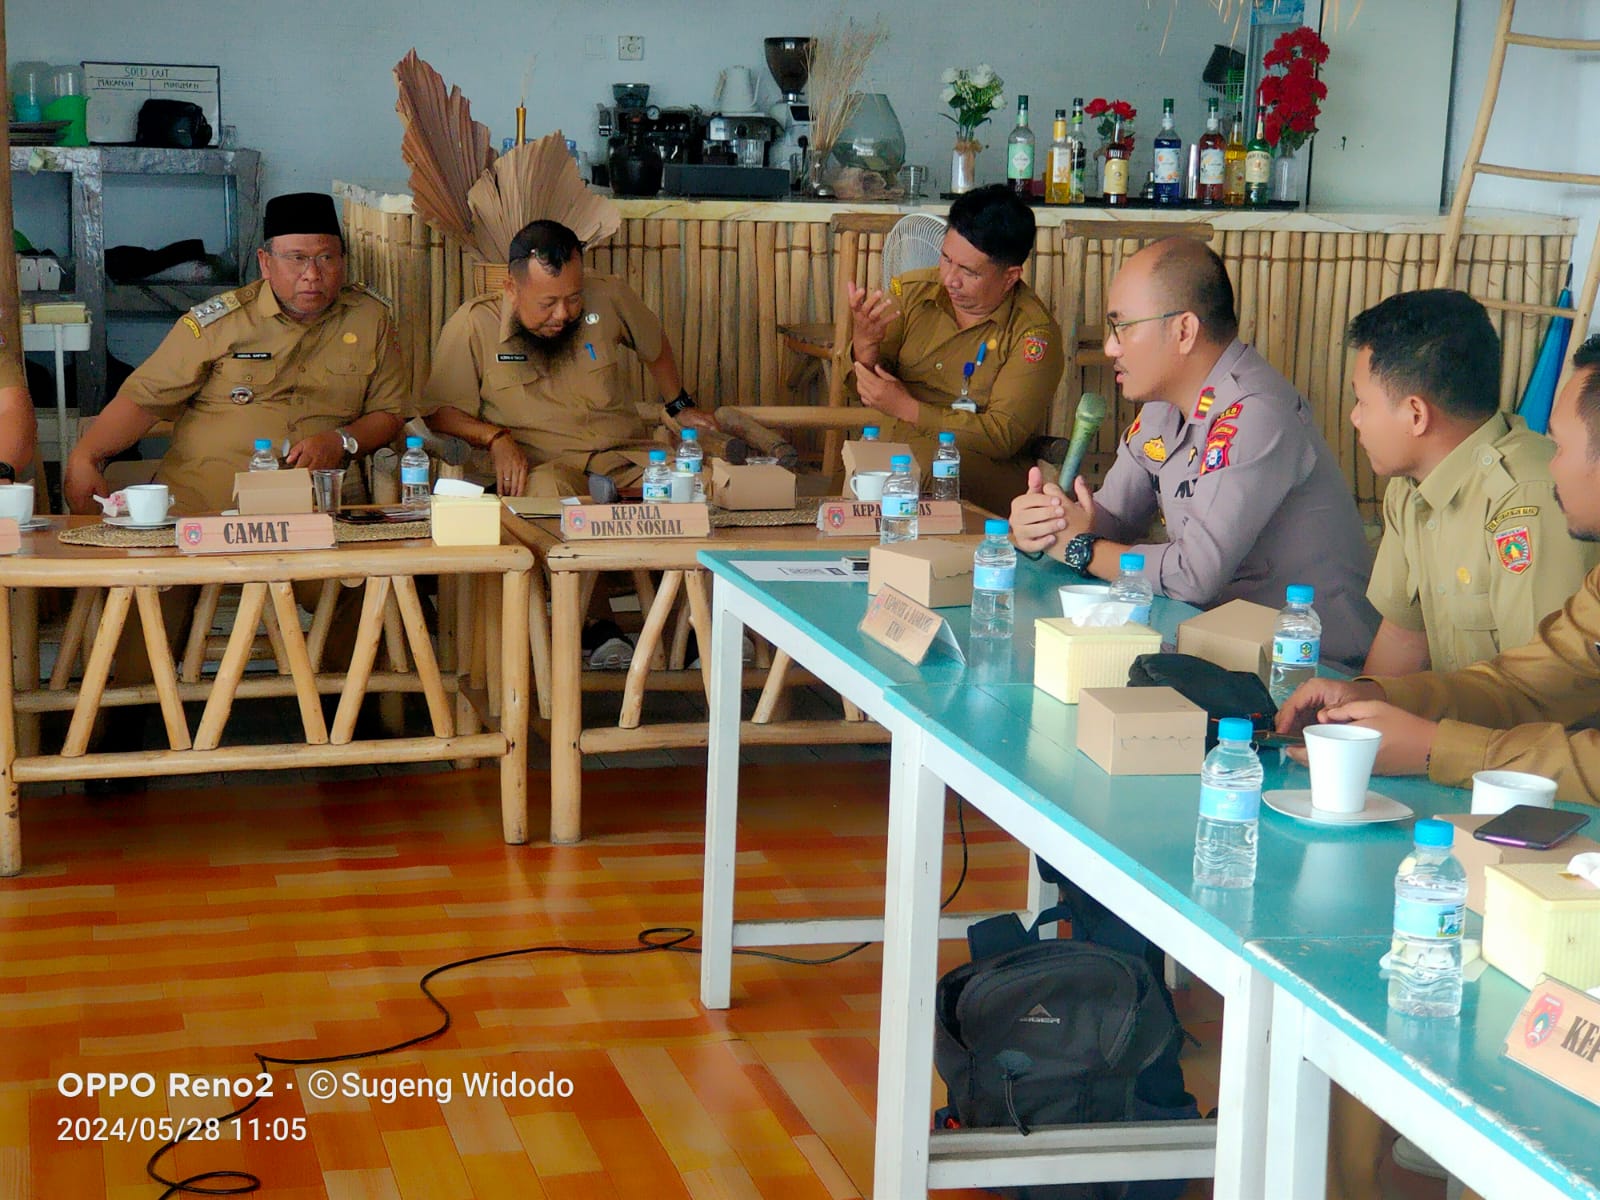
x=1540, y=394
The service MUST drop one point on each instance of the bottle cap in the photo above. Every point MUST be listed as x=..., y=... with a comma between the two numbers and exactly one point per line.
x=996, y=528
x=691, y=435
x=1022, y=101
x=900, y=462
x=658, y=456
x=1429, y=832
x=1076, y=101
x=263, y=443
x=1237, y=729
x=1167, y=104
x=869, y=431
x=946, y=438
x=413, y=443
x=1131, y=562
x=1299, y=593
x=1061, y=114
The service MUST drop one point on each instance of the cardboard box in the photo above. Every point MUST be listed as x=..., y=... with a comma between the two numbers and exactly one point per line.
x=1236, y=635
x=272, y=493
x=1068, y=658
x=465, y=520
x=1475, y=857
x=935, y=574
x=763, y=486
x=874, y=456
x=1141, y=730
x=1538, y=920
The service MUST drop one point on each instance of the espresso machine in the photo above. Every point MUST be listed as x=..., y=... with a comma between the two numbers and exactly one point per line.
x=739, y=140
x=789, y=60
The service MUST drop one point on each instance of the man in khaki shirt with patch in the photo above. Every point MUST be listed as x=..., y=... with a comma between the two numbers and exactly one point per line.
x=1475, y=549
x=533, y=374
x=911, y=348
x=298, y=356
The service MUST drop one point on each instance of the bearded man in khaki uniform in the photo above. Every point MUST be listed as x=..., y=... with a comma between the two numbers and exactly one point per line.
x=532, y=374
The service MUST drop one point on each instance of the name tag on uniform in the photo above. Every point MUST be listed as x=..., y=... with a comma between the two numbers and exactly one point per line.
x=256, y=354
x=511, y=358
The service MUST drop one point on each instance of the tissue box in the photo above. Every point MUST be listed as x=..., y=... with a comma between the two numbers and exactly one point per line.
x=874, y=456
x=1141, y=730
x=1539, y=921
x=272, y=493
x=465, y=520
x=1068, y=658
x=1236, y=635
x=933, y=573
x=1476, y=857
x=764, y=485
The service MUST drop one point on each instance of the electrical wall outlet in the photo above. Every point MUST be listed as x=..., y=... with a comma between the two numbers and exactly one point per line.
x=594, y=46
x=630, y=48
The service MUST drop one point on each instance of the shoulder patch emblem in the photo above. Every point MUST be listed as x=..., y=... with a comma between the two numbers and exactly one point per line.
x=207, y=311
x=1155, y=450
x=1132, y=429
x=1506, y=514
x=1232, y=411
x=1034, y=344
x=1219, y=447
x=1203, y=405
x=1515, y=548
x=896, y=286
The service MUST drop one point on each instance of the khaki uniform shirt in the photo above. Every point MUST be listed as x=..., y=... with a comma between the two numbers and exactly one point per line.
x=1013, y=387
x=255, y=372
x=1523, y=710
x=1253, y=501
x=1478, y=553
x=576, y=407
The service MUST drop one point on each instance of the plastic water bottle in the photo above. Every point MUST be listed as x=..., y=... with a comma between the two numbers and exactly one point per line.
x=263, y=459
x=869, y=434
x=901, y=498
x=658, y=479
x=1430, y=898
x=1296, y=643
x=947, y=469
x=1230, y=809
x=1132, y=588
x=994, y=582
x=691, y=459
x=414, y=487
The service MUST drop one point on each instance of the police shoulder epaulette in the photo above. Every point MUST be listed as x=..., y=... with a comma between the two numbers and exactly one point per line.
x=214, y=309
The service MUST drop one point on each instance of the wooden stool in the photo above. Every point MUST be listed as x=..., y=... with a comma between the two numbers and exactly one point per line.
x=812, y=343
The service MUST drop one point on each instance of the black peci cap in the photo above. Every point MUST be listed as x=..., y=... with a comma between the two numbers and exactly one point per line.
x=300, y=212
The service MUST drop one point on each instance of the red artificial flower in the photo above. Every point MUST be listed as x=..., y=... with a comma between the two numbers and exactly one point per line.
x=1096, y=107
x=1124, y=110
x=1292, y=99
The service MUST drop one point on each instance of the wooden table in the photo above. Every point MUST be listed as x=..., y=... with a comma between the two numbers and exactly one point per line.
x=560, y=680
x=473, y=717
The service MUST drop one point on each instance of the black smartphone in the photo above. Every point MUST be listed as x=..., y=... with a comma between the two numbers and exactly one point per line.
x=360, y=516
x=1534, y=828
x=1280, y=739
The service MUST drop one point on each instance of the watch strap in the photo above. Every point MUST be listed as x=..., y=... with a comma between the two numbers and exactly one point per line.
x=680, y=402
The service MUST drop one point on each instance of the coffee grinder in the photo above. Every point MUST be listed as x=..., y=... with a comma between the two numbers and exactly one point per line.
x=789, y=60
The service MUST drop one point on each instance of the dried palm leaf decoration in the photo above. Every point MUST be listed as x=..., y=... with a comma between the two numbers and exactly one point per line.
x=536, y=181
x=444, y=147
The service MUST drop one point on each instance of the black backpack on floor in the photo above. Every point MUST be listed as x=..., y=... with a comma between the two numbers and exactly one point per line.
x=1051, y=1033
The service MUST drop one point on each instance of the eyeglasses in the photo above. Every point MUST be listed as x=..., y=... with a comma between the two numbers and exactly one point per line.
x=1114, y=328
x=300, y=262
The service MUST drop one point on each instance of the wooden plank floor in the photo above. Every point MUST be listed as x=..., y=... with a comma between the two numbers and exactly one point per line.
x=183, y=930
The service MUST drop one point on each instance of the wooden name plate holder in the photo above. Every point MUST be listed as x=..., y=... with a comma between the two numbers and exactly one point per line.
x=594, y=522
x=1557, y=1034
x=249, y=535
x=854, y=518
x=898, y=623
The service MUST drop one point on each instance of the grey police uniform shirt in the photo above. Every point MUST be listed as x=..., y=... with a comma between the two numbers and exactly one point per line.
x=1253, y=501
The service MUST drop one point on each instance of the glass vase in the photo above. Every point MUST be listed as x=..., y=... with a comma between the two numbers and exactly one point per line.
x=964, y=165
x=872, y=139
x=1286, y=176
x=817, y=160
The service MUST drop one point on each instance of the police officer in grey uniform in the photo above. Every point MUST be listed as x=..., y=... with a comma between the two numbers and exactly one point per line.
x=1224, y=449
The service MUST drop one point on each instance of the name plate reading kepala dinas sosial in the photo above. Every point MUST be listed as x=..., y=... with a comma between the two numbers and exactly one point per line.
x=248, y=535
x=592, y=522
x=853, y=518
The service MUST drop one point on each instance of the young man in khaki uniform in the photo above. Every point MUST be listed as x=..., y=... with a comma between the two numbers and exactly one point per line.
x=1223, y=448
x=19, y=427
x=1475, y=550
x=1529, y=708
x=911, y=348
x=532, y=375
x=297, y=356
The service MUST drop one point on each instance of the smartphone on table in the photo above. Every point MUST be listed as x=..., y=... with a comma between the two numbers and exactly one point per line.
x=1531, y=827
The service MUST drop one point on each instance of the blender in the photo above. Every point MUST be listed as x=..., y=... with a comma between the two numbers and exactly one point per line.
x=789, y=60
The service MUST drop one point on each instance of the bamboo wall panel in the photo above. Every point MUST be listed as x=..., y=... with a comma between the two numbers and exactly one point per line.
x=723, y=287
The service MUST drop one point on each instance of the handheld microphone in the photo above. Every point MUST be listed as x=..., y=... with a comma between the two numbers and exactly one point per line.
x=1086, y=422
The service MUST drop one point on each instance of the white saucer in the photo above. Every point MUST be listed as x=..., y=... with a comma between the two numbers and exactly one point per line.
x=128, y=523
x=1297, y=804
x=33, y=523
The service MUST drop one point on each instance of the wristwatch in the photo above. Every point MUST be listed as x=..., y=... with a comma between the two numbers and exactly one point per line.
x=1079, y=551
x=351, y=446
x=682, y=401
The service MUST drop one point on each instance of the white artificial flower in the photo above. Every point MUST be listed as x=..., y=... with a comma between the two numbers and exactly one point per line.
x=999, y=101
x=950, y=75
x=984, y=75
x=948, y=95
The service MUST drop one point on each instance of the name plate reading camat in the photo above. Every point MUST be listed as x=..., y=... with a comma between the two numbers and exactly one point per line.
x=1557, y=1034
x=852, y=518
x=10, y=535
x=898, y=623
x=248, y=535
x=592, y=522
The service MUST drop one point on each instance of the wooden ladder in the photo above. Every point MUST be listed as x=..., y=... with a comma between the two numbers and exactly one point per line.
x=1474, y=166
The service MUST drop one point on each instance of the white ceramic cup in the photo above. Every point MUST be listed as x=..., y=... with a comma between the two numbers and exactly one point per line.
x=1341, y=758
x=16, y=501
x=682, y=487
x=867, y=486
x=147, y=502
x=1079, y=598
x=1495, y=791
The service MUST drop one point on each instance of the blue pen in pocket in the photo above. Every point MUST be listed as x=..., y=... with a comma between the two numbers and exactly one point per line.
x=589, y=346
